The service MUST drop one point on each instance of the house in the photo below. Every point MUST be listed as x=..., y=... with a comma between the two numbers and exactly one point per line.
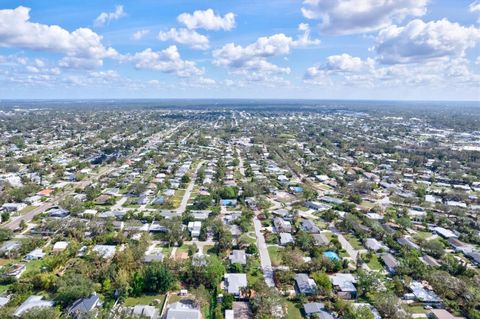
x=316, y=309
x=407, y=243
x=35, y=254
x=286, y=238
x=282, y=212
x=238, y=257
x=316, y=206
x=331, y=200
x=45, y=192
x=474, y=256
x=10, y=248
x=460, y=246
x=309, y=226
x=158, y=200
x=305, y=285
x=234, y=283
x=373, y=244
x=15, y=270
x=445, y=233
x=13, y=207
x=194, y=228
x=4, y=300
x=423, y=295
x=390, y=262
x=58, y=212
x=32, y=302
x=105, y=251
x=183, y=310
x=59, y=246
x=83, y=306
x=154, y=256
x=320, y=239
x=282, y=226
x=146, y=312
x=429, y=261
x=344, y=285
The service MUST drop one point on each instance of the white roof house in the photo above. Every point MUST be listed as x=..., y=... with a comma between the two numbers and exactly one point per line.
x=35, y=254
x=32, y=302
x=60, y=246
x=235, y=282
x=106, y=251
x=194, y=228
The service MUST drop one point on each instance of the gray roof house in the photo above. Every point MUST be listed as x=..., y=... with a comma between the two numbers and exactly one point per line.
x=282, y=226
x=309, y=226
x=390, y=262
x=238, y=257
x=286, y=238
x=234, y=283
x=320, y=239
x=83, y=306
x=181, y=310
x=305, y=285
x=316, y=308
x=147, y=312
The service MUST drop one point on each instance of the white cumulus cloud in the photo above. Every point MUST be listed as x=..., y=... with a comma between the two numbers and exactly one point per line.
x=420, y=41
x=253, y=57
x=185, y=36
x=81, y=47
x=166, y=61
x=106, y=17
x=140, y=34
x=357, y=16
x=207, y=20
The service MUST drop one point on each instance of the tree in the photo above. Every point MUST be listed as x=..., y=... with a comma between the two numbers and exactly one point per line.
x=71, y=287
x=158, y=278
x=5, y=234
x=324, y=285
x=390, y=307
x=5, y=216
x=267, y=303
x=433, y=247
x=367, y=282
x=309, y=194
x=41, y=313
x=304, y=240
x=202, y=296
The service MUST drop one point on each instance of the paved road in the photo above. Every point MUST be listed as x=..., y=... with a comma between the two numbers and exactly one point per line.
x=265, y=261
x=188, y=192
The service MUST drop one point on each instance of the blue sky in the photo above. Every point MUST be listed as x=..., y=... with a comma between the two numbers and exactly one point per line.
x=348, y=49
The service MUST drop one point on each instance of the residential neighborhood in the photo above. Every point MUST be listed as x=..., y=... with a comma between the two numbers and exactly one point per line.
x=238, y=212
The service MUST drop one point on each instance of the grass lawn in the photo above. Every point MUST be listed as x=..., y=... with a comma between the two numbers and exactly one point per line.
x=167, y=251
x=144, y=300
x=423, y=235
x=328, y=234
x=354, y=242
x=292, y=311
x=33, y=266
x=178, y=196
x=27, y=209
x=417, y=309
x=274, y=252
x=374, y=263
x=4, y=288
